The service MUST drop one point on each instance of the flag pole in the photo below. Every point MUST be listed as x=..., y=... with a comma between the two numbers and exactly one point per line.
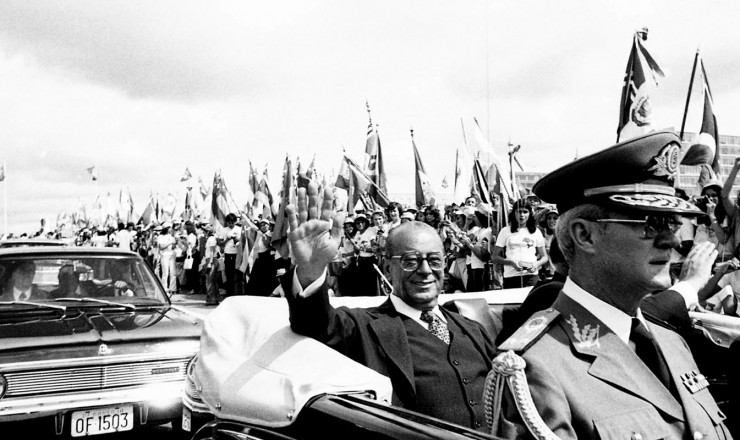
x=688, y=95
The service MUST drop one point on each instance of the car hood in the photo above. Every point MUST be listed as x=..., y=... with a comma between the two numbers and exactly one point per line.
x=81, y=326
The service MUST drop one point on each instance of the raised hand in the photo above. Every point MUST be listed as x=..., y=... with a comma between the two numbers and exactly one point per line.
x=697, y=268
x=314, y=235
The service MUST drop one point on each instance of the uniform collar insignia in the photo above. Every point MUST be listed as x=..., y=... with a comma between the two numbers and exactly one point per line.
x=666, y=162
x=587, y=337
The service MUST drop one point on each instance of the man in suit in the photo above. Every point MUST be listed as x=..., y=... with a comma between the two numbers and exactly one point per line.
x=437, y=360
x=20, y=285
x=599, y=369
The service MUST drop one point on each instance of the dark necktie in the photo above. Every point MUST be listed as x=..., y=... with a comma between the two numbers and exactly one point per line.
x=647, y=349
x=436, y=326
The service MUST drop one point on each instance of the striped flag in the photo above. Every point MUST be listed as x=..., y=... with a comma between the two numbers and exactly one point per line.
x=374, y=157
x=424, y=192
x=640, y=80
x=705, y=149
x=219, y=204
x=263, y=198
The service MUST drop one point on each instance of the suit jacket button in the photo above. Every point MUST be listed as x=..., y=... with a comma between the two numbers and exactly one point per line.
x=471, y=402
x=455, y=362
x=698, y=435
x=636, y=436
x=466, y=381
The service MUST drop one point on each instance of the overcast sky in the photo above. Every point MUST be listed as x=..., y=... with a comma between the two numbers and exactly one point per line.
x=144, y=89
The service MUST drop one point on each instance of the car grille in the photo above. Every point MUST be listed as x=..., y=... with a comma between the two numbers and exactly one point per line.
x=61, y=380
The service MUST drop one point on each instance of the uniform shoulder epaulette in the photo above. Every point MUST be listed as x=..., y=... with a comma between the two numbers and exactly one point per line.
x=530, y=331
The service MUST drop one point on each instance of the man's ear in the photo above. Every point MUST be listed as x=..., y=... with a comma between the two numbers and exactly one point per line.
x=585, y=234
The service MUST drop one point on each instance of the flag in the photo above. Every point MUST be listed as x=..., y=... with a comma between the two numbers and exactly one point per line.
x=445, y=185
x=263, y=198
x=343, y=176
x=2, y=172
x=360, y=184
x=93, y=170
x=251, y=188
x=302, y=180
x=148, y=215
x=463, y=176
x=202, y=188
x=130, y=208
x=492, y=164
x=168, y=207
x=186, y=175
x=480, y=184
x=424, y=193
x=705, y=148
x=640, y=80
x=374, y=158
x=188, y=212
x=279, y=239
x=218, y=204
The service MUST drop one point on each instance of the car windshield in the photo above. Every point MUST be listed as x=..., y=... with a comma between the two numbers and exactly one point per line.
x=99, y=280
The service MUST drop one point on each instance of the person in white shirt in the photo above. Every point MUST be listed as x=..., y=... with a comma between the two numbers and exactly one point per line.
x=520, y=247
x=125, y=236
x=166, y=245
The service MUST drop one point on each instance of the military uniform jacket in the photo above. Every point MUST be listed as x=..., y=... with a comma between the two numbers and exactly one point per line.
x=375, y=337
x=587, y=383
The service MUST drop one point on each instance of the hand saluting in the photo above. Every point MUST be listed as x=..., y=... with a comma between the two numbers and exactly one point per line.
x=314, y=236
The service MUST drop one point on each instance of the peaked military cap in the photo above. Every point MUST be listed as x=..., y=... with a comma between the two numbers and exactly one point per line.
x=637, y=174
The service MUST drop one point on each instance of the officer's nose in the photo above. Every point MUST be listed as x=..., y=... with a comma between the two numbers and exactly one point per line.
x=666, y=239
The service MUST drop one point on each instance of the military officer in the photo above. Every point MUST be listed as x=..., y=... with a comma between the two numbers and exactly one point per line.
x=598, y=368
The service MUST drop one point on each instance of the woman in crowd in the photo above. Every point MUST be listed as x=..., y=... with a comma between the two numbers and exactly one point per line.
x=366, y=280
x=457, y=252
x=548, y=219
x=478, y=241
x=393, y=211
x=520, y=248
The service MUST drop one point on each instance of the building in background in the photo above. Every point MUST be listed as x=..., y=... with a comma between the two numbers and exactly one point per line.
x=729, y=150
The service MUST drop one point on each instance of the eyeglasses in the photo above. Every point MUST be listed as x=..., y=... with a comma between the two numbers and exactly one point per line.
x=410, y=261
x=654, y=224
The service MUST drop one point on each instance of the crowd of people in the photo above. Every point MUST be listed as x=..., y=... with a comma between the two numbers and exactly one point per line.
x=482, y=251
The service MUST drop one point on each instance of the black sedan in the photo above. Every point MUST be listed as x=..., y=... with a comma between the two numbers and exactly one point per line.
x=89, y=343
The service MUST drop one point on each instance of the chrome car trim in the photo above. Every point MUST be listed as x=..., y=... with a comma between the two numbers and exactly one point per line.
x=159, y=394
x=189, y=349
x=94, y=377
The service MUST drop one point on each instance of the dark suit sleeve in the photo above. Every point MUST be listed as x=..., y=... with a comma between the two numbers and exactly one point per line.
x=668, y=307
x=315, y=317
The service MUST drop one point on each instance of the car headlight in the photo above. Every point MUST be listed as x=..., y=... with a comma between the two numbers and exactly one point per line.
x=3, y=386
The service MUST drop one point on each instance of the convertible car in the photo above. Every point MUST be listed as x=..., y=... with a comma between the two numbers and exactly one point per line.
x=254, y=378
x=89, y=343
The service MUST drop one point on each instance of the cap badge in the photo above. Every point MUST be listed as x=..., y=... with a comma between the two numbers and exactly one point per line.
x=666, y=162
x=587, y=337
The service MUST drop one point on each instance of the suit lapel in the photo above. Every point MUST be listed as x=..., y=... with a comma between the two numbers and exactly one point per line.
x=391, y=337
x=614, y=362
x=465, y=327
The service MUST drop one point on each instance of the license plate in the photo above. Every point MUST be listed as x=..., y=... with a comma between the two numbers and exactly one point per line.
x=102, y=420
x=187, y=423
